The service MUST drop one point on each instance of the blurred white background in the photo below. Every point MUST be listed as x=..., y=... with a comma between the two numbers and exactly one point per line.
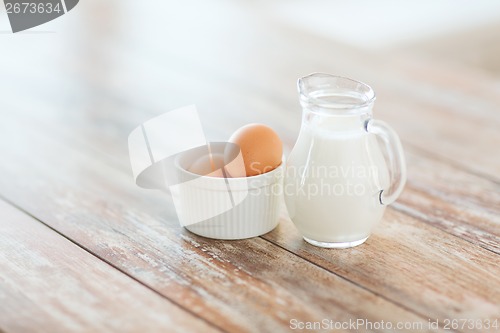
x=386, y=23
x=467, y=32
x=463, y=31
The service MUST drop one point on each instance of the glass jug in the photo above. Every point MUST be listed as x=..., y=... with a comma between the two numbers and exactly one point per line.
x=339, y=178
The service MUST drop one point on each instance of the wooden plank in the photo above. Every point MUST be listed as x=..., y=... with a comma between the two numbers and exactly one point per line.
x=48, y=283
x=423, y=122
x=424, y=269
x=443, y=195
x=418, y=184
x=464, y=205
x=424, y=305
x=452, y=200
x=249, y=285
x=420, y=100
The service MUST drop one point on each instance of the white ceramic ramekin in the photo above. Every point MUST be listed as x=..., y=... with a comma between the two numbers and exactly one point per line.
x=227, y=208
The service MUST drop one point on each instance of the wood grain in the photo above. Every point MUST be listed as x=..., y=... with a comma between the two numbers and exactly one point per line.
x=420, y=99
x=452, y=200
x=425, y=173
x=49, y=284
x=421, y=268
x=64, y=159
x=239, y=285
x=464, y=204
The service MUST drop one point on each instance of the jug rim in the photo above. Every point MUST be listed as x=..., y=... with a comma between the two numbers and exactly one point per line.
x=361, y=88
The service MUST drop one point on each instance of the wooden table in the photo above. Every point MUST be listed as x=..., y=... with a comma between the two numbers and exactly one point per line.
x=83, y=249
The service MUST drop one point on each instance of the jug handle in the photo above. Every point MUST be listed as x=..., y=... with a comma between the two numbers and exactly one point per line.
x=396, y=159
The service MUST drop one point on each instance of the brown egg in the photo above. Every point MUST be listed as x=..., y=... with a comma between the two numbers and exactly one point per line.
x=261, y=148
